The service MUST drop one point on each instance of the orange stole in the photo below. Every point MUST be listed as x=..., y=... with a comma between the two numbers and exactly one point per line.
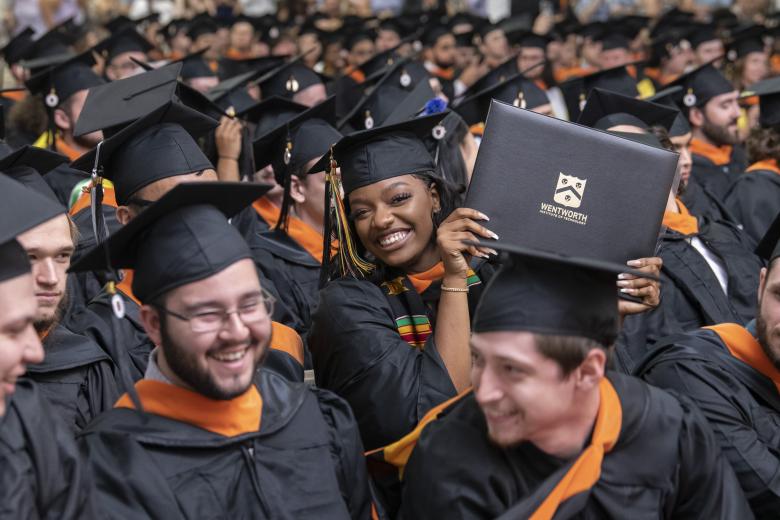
x=682, y=222
x=69, y=152
x=768, y=164
x=85, y=199
x=422, y=281
x=586, y=470
x=743, y=346
x=126, y=285
x=267, y=211
x=287, y=340
x=719, y=155
x=307, y=237
x=229, y=418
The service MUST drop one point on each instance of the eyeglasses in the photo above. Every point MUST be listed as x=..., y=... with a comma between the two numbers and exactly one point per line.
x=254, y=311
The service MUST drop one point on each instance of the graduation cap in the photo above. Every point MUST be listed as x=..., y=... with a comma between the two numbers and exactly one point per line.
x=746, y=41
x=118, y=23
x=421, y=100
x=671, y=97
x=551, y=294
x=233, y=92
x=159, y=145
x=768, y=92
x=289, y=79
x=126, y=40
x=269, y=114
x=613, y=38
x=18, y=46
x=516, y=90
x=700, y=85
x=576, y=90
x=528, y=39
x=229, y=68
x=297, y=139
x=200, y=25
x=382, y=99
x=55, y=42
x=30, y=178
x=60, y=82
x=769, y=246
x=293, y=144
x=21, y=209
x=110, y=106
x=39, y=159
x=182, y=238
x=174, y=27
x=701, y=33
x=664, y=43
x=194, y=66
x=605, y=109
x=500, y=73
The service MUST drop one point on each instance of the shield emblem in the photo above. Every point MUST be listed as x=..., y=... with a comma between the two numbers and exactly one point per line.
x=569, y=191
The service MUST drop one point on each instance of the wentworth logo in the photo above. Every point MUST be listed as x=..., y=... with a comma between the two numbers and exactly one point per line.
x=568, y=192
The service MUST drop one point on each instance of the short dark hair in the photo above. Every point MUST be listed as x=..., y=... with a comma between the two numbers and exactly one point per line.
x=568, y=351
x=763, y=144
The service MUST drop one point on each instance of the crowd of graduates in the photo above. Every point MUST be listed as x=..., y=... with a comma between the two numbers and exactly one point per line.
x=264, y=268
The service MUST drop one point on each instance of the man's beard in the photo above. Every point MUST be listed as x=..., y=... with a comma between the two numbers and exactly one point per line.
x=44, y=325
x=185, y=366
x=444, y=65
x=763, y=340
x=719, y=135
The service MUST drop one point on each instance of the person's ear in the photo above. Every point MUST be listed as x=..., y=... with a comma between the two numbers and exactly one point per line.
x=124, y=214
x=435, y=199
x=761, y=284
x=696, y=117
x=591, y=370
x=297, y=190
x=150, y=319
x=62, y=120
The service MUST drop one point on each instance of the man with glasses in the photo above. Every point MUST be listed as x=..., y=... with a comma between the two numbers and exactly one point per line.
x=210, y=433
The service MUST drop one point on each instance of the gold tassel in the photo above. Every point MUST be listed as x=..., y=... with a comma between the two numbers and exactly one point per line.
x=349, y=260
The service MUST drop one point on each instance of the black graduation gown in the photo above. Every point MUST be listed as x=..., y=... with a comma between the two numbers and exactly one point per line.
x=294, y=273
x=41, y=473
x=718, y=179
x=359, y=354
x=305, y=462
x=702, y=202
x=691, y=296
x=666, y=464
x=741, y=405
x=76, y=376
x=754, y=200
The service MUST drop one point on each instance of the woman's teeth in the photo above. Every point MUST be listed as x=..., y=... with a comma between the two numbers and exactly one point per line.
x=392, y=238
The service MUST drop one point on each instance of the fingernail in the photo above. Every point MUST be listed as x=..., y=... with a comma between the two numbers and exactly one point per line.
x=493, y=252
x=627, y=291
x=634, y=263
x=622, y=276
x=492, y=235
x=484, y=217
x=484, y=255
x=623, y=283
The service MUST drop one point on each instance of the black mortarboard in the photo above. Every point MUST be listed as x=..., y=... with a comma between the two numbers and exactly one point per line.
x=671, y=97
x=379, y=61
x=31, y=179
x=702, y=33
x=18, y=46
x=182, y=238
x=545, y=293
x=592, y=30
x=60, y=82
x=605, y=109
x=40, y=159
x=576, y=90
x=289, y=79
x=174, y=27
x=700, y=85
x=465, y=39
x=118, y=23
x=297, y=140
x=383, y=153
x=663, y=43
x=194, y=66
x=200, y=25
x=500, y=73
x=614, y=39
x=432, y=36
x=56, y=41
x=488, y=28
x=528, y=39
x=768, y=92
x=126, y=40
x=21, y=209
x=516, y=90
x=269, y=114
x=233, y=92
x=769, y=246
x=416, y=102
x=746, y=41
x=381, y=100
x=157, y=146
x=229, y=68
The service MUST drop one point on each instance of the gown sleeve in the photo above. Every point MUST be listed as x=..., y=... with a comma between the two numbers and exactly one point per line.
x=358, y=354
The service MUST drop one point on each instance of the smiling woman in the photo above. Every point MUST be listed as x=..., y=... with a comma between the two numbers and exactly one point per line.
x=390, y=334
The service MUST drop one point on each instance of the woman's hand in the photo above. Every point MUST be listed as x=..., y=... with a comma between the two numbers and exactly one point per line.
x=228, y=138
x=460, y=226
x=646, y=289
